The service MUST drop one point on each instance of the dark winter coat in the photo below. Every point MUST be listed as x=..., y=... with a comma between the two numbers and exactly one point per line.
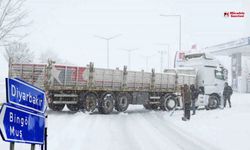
x=194, y=94
x=186, y=95
x=228, y=91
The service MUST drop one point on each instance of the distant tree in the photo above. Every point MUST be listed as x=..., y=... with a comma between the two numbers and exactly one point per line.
x=18, y=53
x=12, y=18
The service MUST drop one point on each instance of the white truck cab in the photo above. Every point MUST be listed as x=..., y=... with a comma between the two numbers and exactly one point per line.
x=211, y=77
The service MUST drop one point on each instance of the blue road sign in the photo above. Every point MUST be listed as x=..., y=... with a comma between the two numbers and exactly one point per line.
x=25, y=95
x=18, y=125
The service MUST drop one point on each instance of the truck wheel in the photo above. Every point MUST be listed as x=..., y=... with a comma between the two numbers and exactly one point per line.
x=106, y=104
x=213, y=102
x=163, y=105
x=73, y=107
x=89, y=102
x=122, y=102
x=154, y=106
x=146, y=106
x=56, y=107
x=52, y=106
x=168, y=103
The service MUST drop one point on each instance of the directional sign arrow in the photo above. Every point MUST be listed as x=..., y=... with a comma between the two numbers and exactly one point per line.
x=18, y=125
x=23, y=94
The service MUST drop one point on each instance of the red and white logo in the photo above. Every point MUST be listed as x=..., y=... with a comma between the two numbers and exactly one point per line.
x=234, y=14
x=226, y=14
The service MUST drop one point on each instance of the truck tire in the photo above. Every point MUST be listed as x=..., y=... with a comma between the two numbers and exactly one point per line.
x=52, y=106
x=213, y=102
x=56, y=107
x=106, y=104
x=154, y=106
x=122, y=102
x=146, y=106
x=163, y=101
x=73, y=107
x=88, y=102
x=168, y=103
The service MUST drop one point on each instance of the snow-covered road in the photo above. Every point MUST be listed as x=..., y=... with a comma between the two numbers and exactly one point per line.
x=140, y=129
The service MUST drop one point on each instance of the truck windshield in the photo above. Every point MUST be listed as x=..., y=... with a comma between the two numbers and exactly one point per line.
x=198, y=55
x=221, y=74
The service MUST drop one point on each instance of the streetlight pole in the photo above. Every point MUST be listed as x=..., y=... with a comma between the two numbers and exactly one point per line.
x=107, y=39
x=168, y=52
x=147, y=57
x=179, y=16
x=161, y=58
x=129, y=55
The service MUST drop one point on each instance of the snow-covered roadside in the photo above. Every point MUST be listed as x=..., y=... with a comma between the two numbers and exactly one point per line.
x=2, y=92
x=228, y=128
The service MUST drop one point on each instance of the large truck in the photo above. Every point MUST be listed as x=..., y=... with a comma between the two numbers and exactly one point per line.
x=88, y=88
x=211, y=77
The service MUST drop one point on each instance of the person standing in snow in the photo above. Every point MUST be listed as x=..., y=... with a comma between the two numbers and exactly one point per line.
x=186, y=95
x=227, y=93
x=194, y=95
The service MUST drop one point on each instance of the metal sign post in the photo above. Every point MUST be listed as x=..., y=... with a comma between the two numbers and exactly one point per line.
x=32, y=147
x=12, y=145
x=46, y=131
x=44, y=146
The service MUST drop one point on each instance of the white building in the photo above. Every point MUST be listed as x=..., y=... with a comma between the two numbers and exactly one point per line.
x=239, y=52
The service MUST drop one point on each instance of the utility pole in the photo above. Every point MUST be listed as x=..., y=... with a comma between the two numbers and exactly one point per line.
x=107, y=39
x=129, y=51
x=147, y=59
x=168, y=52
x=179, y=16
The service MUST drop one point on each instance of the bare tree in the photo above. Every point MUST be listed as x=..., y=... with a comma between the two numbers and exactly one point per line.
x=18, y=53
x=11, y=18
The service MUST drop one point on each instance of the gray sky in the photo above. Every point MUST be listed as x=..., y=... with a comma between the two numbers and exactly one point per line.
x=68, y=27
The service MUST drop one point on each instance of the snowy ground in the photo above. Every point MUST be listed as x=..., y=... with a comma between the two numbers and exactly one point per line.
x=140, y=129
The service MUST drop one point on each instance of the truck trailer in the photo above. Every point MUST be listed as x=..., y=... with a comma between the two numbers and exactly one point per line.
x=89, y=88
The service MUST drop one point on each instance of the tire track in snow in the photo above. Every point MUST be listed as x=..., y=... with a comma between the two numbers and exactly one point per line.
x=124, y=132
x=181, y=138
x=68, y=128
x=97, y=134
x=85, y=133
x=107, y=132
x=204, y=144
x=147, y=137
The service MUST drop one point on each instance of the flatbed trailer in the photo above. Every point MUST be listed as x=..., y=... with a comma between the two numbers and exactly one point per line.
x=88, y=88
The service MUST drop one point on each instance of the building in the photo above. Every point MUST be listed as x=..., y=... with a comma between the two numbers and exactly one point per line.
x=239, y=52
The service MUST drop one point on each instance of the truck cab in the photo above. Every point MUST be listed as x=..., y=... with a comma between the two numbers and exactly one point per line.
x=211, y=77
